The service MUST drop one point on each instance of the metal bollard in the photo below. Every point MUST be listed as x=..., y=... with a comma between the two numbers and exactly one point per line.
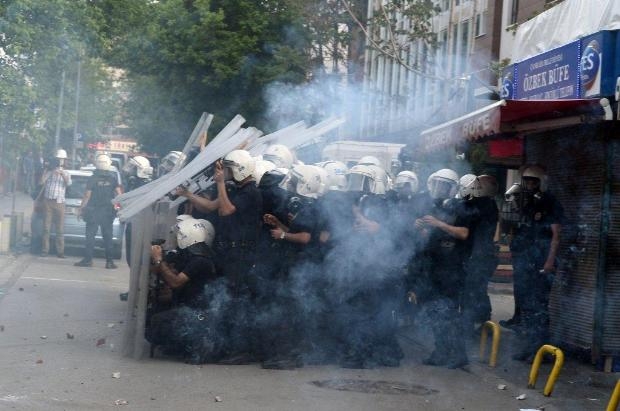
x=555, y=371
x=615, y=398
x=495, y=345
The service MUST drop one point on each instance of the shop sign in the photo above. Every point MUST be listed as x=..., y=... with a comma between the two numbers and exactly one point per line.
x=585, y=68
x=550, y=76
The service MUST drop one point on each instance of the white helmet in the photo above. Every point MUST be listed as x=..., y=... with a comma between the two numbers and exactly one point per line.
x=241, y=164
x=534, y=171
x=279, y=155
x=337, y=174
x=469, y=187
x=442, y=184
x=406, y=179
x=139, y=165
x=367, y=178
x=192, y=231
x=103, y=162
x=369, y=160
x=178, y=219
x=488, y=185
x=169, y=161
x=61, y=154
x=261, y=167
x=304, y=180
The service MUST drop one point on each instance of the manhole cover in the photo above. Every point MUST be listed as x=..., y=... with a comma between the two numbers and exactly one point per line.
x=375, y=387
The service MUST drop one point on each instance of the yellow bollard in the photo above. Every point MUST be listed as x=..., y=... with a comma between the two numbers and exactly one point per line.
x=483, y=342
x=615, y=398
x=555, y=371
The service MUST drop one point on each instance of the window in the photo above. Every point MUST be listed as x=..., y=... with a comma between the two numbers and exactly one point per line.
x=480, y=25
x=515, y=12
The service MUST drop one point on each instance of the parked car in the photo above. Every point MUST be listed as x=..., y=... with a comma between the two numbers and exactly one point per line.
x=75, y=230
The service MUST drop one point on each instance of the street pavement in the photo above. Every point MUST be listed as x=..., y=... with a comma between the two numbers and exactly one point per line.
x=61, y=329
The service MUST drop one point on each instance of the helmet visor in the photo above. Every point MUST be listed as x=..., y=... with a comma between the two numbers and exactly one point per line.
x=441, y=188
x=358, y=182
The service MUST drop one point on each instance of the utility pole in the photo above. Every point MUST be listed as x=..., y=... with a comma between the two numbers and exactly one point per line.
x=59, y=116
x=77, y=110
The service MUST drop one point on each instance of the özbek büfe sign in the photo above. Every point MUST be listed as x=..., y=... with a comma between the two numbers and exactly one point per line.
x=551, y=75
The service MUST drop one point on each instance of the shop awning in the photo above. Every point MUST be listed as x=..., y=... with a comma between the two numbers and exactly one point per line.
x=511, y=117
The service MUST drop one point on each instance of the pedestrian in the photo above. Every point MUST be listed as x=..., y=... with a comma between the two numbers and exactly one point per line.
x=54, y=181
x=97, y=210
x=534, y=249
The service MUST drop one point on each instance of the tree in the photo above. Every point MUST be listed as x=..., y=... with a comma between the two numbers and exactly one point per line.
x=41, y=40
x=395, y=26
x=184, y=57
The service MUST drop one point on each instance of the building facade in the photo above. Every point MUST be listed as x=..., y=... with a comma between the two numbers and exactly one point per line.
x=431, y=85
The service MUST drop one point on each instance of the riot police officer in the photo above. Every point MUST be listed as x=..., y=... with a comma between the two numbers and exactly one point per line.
x=477, y=194
x=534, y=248
x=446, y=230
x=187, y=327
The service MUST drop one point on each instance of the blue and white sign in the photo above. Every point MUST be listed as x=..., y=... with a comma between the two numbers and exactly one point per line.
x=550, y=76
x=506, y=90
x=584, y=68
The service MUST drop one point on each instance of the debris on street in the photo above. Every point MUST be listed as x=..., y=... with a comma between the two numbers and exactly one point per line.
x=521, y=397
x=116, y=375
x=70, y=336
x=218, y=398
x=501, y=387
x=100, y=341
x=121, y=402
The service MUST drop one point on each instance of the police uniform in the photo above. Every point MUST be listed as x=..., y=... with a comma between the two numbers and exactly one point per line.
x=530, y=247
x=481, y=264
x=100, y=212
x=189, y=328
x=235, y=246
x=365, y=296
x=444, y=256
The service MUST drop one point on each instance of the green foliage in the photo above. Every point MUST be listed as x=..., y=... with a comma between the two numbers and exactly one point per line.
x=186, y=57
x=41, y=39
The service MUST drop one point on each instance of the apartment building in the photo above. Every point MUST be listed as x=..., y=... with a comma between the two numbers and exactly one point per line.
x=433, y=85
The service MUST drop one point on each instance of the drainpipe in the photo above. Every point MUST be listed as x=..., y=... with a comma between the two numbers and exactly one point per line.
x=600, y=300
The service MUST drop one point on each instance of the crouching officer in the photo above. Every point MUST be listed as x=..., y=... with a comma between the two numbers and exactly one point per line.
x=187, y=328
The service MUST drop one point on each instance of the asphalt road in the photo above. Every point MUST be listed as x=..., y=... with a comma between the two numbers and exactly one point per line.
x=61, y=329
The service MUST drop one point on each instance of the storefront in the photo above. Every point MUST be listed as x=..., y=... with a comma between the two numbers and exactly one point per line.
x=560, y=110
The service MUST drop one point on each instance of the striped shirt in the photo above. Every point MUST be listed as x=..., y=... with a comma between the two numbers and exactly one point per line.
x=54, y=186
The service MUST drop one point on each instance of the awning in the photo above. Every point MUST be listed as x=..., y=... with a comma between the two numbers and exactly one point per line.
x=511, y=117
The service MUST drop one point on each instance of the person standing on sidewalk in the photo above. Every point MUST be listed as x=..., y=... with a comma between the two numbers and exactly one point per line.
x=55, y=182
x=97, y=210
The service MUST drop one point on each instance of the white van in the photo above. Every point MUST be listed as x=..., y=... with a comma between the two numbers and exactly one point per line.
x=349, y=152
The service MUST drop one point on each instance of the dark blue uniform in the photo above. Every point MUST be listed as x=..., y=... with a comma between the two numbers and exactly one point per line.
x=530, y=247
